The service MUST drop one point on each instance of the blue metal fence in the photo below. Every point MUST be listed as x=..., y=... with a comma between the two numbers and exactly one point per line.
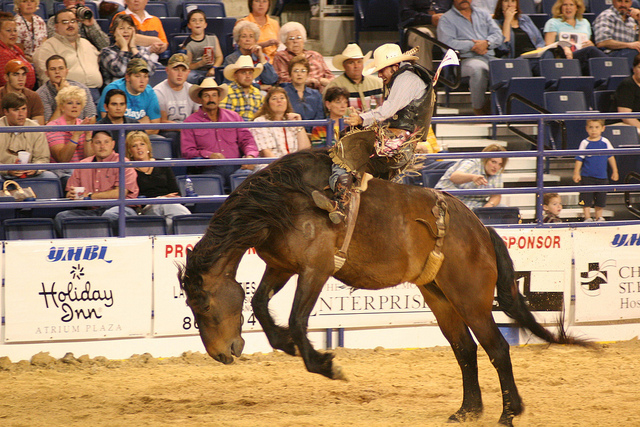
x=539, y=153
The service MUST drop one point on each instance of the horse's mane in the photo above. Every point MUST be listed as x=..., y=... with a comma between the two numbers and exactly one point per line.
x=261, y=205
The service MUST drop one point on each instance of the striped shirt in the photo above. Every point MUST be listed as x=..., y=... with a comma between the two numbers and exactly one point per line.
x=475, y=167
x=610, y=26
x=57, y=138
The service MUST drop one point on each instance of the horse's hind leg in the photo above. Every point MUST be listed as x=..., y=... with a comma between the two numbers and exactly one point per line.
x=464, y=348
x=272, y=281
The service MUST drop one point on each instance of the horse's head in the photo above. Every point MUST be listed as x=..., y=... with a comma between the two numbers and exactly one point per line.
x=216, y=301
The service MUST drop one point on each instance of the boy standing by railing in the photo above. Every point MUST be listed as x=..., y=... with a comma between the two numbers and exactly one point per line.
x=592, y=170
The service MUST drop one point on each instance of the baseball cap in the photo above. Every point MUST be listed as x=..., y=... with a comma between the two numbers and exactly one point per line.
x=137, y=65
x=14, y=65
x=178, y=59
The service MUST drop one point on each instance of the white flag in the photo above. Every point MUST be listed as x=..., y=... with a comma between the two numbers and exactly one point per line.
x=450, y=58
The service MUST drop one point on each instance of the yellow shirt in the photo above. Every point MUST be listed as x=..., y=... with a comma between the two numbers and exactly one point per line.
x=268, y=31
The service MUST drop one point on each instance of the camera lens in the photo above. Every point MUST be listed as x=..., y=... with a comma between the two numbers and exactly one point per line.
x=83, y=13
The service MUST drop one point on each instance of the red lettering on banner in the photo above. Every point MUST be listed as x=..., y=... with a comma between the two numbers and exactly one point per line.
x=176, y=251
x=532, y=242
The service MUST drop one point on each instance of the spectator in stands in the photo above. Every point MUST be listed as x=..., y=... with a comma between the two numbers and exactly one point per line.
x=14, y=110
x=304, y=100
x=592, y=170
x=420, y=14
x=115, y=106
x=57, y=72
x=81, y=56
x=9, y=50
x=87, y=28
x=365, y=92
x=336, y=102
x=173, y=98
x=269, y=27
x=149, y=27
x=142, y=102
x=115, y=58
x=32, y=30
x=277, y=142
x=294, y=36
x=69, y=146
x=216, y=143
x=552, y=206
x=243, y=97
x=468, y=174
x=628, y=94
x=100, y=184
x=567, y=18
x=520, y=33
x=616, y=30
x=472, y=32
x=203, y=50
x=246, y=35
x=152, y=181
x=16, y=77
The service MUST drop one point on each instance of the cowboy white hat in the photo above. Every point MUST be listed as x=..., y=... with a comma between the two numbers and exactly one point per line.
x=352, y=51
x=389, y=54
x=244, y=62
x=208, y=83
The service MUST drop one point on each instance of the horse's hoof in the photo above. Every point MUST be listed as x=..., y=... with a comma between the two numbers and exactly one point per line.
x=506, y=421
x=337, y=373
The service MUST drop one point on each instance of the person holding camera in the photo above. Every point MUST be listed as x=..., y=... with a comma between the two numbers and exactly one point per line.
x=88, y=28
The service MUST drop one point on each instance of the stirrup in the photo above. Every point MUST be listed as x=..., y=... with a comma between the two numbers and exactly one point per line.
x=337, y=216
x=323, y=202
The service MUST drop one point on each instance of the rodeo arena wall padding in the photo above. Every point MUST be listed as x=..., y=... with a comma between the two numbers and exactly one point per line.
x=117, y=297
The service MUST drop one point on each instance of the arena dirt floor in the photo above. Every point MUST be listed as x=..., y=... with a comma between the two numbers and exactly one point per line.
x=561, y=386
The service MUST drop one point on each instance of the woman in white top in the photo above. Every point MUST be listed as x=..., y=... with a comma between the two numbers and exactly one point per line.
x=278, y=141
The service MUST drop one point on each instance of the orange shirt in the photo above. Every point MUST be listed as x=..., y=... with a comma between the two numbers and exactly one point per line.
x=150, y=26
x=268, y=31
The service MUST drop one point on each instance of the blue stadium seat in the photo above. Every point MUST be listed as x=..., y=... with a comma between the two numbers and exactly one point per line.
x=191, y=224
x=527, y=7
x=86, y=226
x=210, y=9
x=513, y=76
x=29, y=228
x=604, y=101
x=161, y=147
x=157, y=8
x=204, y=185
x=498, y=215
x=104, y=25
x=223, y=29
x=566, y=102
x=375, y=15
x=171, y=25
x=236, y=180
x=566, y=75
x=145, y=225
x=45, y=188
x=431, y=177
x=175, y=41
x=620, y=135
x=159, y=75
x=608, y=72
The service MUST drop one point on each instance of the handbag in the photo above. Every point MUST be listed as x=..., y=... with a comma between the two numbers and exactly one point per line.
x=18, y=193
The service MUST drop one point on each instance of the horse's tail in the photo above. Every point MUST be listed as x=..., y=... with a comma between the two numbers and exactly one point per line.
x=512, y=302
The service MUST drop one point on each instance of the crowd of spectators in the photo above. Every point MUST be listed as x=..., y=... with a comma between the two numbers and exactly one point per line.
x=68, y=71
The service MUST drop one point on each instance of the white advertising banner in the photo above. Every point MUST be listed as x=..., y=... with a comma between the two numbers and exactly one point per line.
x=73, y=289
x=542, y=260
x=172, y=316
x=607, y=273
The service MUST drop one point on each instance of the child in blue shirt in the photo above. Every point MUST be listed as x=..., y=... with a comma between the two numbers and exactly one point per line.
x=592, y=170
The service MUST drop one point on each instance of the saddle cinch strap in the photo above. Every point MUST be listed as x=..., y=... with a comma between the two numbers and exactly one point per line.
x=340, y=257
x=436, y=257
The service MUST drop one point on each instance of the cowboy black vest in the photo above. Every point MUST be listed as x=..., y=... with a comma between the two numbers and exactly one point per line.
x=417, y=114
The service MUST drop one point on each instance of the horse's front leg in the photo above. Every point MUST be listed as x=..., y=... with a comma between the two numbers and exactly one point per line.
x=310, y=283
x=272, y=281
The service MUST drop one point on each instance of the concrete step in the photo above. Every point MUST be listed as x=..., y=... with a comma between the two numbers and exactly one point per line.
x=527, y=177
x=525, y=201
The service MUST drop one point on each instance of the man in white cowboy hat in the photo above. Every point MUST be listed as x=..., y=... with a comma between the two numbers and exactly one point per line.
x=406, y=112
x=365, y=92
x=243, y=97
x=216, y=143
x=472, y=32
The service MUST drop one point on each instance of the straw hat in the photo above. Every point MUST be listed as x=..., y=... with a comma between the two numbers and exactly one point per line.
x=352, y=51
x=389, y=54
x=243, y=63
x=208, y=83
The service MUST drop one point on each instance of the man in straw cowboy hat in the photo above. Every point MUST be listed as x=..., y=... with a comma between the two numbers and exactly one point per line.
x=391, y=131
x=243, y=98
x=365, y=92
x=216, y=143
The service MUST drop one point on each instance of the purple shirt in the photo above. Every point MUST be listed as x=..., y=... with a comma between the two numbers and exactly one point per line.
x=232, y=142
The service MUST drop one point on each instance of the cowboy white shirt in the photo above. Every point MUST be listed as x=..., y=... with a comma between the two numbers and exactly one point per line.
x=406, y=87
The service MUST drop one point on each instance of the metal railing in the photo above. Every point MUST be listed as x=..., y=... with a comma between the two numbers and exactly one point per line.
x=540, y=153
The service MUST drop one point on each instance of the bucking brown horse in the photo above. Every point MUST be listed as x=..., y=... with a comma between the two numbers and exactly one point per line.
x=395, y=233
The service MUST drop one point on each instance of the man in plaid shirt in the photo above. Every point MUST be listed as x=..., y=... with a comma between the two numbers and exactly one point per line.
x=243, y=98
x=616, y=30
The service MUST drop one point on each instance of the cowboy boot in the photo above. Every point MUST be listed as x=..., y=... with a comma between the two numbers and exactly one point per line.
x=342, y=195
